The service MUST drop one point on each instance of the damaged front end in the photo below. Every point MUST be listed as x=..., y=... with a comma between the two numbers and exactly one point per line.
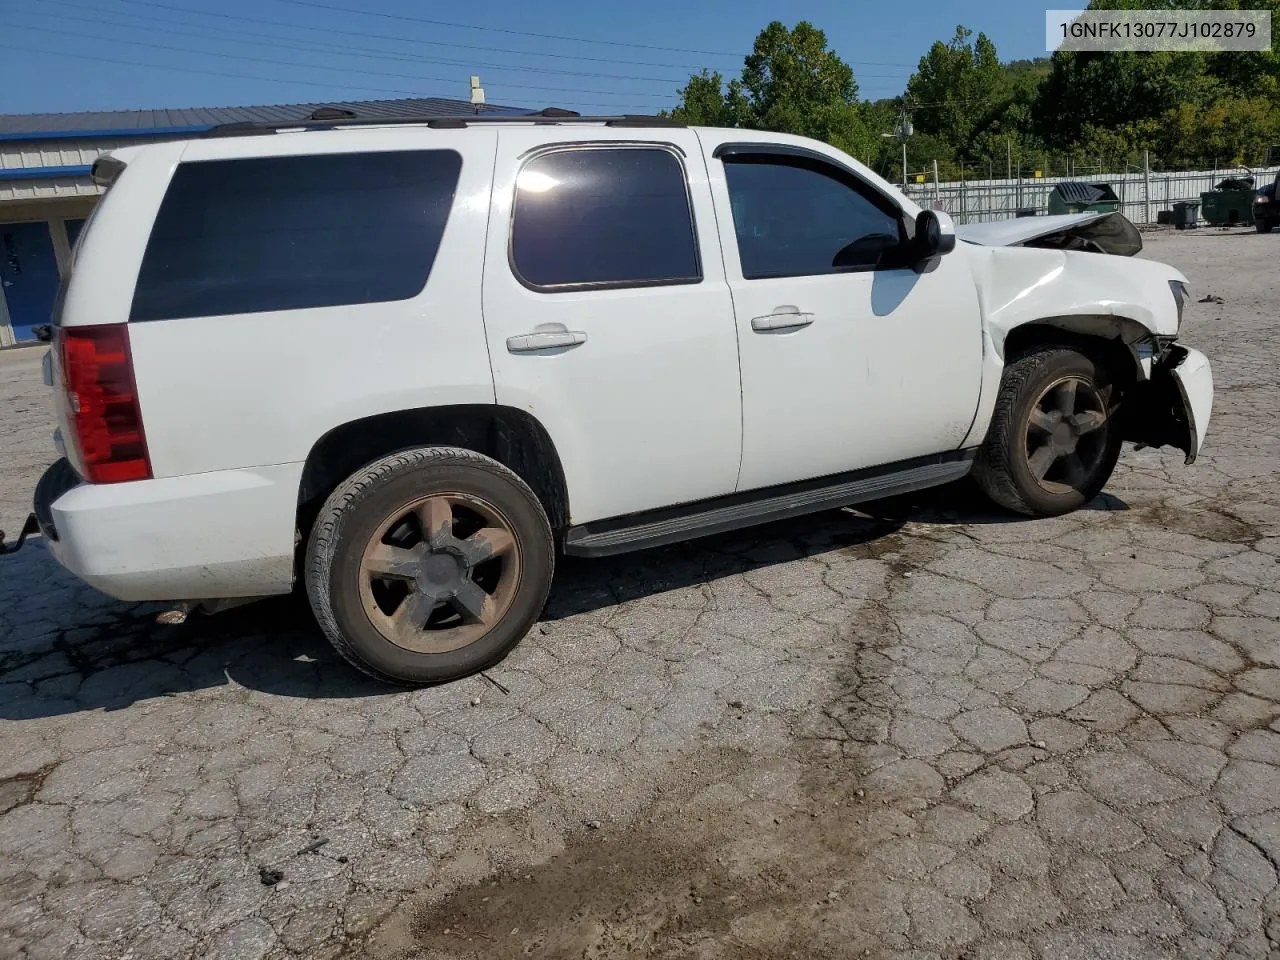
x=1109, y=233
x=1172, y=406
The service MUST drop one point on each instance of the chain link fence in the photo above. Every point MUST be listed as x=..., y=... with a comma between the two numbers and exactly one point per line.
x=1143, y=194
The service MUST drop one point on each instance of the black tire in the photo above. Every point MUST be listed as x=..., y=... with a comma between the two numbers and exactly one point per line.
x=1004, y=466
x=360, y=507
x=1263, y=226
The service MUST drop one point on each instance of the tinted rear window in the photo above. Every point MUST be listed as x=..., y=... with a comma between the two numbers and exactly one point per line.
x=615, y=217
x=287, y=233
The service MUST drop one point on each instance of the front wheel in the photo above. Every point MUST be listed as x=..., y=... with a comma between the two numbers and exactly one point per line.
x=429, y=565
x=1263, y=226
x=1053, y=440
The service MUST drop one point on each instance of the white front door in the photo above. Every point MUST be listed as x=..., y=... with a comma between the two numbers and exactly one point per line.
x=609, y=319
x=847, y=360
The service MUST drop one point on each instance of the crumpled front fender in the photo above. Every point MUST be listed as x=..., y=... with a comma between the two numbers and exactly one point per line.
x=1092, y=294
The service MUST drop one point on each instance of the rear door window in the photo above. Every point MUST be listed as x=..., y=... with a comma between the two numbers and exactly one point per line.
x=290, y=233
x=603, y=217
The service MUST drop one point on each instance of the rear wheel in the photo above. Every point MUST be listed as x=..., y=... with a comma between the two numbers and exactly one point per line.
x=429, y=565
x=1053, y=442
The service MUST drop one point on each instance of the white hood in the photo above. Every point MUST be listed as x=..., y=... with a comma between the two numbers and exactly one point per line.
x=1097, y=232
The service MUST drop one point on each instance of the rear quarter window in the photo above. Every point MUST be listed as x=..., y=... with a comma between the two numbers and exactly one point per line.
x=290, y=233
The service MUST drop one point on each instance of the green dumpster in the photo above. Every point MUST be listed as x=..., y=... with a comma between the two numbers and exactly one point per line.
x=1229, y=203
x=1074, y=196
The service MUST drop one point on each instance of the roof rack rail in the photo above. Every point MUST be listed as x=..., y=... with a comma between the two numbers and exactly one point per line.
x=324, y=119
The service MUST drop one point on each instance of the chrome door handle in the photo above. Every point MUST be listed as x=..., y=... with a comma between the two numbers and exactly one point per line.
x=781, y=321
x=547, y=340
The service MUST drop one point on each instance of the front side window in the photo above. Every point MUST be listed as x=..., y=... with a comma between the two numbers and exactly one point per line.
x=288, y=233
x=798, y=217
x=614, y=217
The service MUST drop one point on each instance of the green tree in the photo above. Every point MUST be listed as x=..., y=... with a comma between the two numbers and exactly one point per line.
x=794, y=83
x=791, y=82
x=702, y=101
x=1116, y=147
x=1229, y=131
x=955, y=88
x=1111, y=90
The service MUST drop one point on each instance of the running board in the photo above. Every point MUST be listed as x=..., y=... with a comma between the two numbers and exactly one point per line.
x=654, y=528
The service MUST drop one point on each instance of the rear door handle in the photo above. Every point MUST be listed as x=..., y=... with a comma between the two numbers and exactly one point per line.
x=782, y=320
x=546, y=340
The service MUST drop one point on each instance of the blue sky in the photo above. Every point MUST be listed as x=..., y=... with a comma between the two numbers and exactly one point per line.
x=69, y=55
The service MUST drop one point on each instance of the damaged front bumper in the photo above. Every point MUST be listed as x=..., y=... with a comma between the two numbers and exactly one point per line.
x=1172, y=407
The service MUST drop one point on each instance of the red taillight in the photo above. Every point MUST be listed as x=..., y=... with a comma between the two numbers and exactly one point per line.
x=102, y=400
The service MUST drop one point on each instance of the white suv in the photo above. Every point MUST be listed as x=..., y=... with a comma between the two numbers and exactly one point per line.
x=411, y=363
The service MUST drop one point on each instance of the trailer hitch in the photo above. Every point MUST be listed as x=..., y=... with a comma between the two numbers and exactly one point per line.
x=31, y=526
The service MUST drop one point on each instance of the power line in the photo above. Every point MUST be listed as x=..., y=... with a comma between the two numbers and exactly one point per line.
x=291, y=63
x=376, y=53
x=540, y=36
x=460, y=63
x=245, y=76
x=372, y=36
x=325, y=48
x=363, y=52
x=518, y=33
x=209, y=73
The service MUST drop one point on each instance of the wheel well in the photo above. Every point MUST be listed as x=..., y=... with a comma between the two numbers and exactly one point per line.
x=512, y=437
x=1104, y=338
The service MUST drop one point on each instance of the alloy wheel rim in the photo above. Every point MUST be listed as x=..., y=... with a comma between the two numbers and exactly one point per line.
x=1066, y=435
x=439, y=572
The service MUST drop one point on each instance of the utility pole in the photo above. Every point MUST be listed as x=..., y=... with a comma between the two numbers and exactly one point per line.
x=1146, y=186
x=901, y=132
x=905, y=129
x=1008, y=144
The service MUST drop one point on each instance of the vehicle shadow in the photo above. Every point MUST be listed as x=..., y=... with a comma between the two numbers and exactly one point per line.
x=67, y=649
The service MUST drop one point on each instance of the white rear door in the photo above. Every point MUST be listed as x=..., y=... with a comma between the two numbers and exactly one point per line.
x=845, y=364
x=608, y=316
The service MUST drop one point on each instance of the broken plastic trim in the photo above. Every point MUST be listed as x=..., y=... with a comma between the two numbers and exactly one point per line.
x=1154, y=412
x=106, y=170
x=1179, y=290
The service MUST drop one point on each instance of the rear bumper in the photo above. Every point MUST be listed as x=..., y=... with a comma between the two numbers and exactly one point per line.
x=224, y=534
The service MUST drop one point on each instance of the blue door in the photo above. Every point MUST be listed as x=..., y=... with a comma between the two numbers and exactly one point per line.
x=28, y=274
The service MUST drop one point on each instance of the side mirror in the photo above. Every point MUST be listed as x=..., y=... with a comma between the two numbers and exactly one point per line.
x=935, y=234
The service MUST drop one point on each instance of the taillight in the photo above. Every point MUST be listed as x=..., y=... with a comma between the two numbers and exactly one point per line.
x=102, y=400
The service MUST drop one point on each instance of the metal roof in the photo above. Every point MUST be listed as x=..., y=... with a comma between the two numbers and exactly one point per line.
x=124, y=123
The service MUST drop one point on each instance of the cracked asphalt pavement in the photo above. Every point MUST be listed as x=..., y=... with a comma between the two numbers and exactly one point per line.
x=918, y=730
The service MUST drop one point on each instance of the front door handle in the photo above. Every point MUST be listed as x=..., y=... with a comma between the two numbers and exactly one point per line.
x=783, y=319
x=545, y=340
